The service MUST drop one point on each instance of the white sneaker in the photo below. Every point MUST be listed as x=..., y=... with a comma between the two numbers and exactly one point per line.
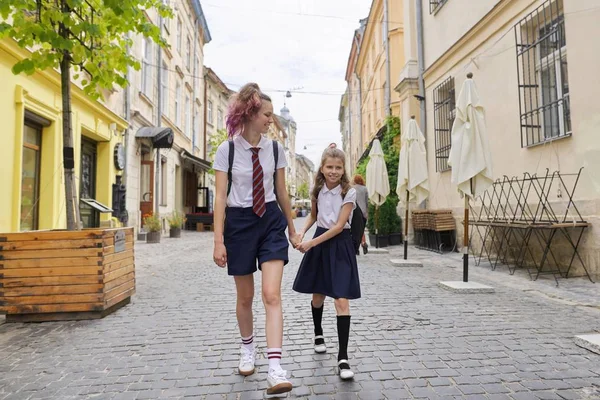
x=277, y=384
x=321, y=347
x=345, y=371
x=247, y=360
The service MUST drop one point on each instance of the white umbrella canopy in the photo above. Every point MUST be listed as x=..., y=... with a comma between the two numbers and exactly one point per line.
x=378, y=184
x=412, y=168
x=470, y=156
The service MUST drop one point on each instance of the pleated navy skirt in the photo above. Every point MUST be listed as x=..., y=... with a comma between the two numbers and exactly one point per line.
x=330, y=268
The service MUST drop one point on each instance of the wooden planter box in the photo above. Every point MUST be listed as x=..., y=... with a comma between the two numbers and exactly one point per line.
x=65, y=275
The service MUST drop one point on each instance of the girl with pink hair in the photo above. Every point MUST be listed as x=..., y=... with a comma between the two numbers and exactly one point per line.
x=252, y=210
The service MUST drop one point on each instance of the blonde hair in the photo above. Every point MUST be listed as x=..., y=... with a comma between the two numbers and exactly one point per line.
x=331, y=152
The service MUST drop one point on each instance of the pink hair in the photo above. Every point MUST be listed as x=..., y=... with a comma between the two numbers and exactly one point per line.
x=243, y=106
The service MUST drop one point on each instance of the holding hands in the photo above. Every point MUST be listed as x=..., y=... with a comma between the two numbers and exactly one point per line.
x=297, y=241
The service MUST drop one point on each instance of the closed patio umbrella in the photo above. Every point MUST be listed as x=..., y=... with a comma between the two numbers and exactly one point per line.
x=378, y=185
x=469, y=156
x=412, y=172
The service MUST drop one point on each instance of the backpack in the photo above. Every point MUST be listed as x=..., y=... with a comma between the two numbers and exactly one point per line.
x=230, y=175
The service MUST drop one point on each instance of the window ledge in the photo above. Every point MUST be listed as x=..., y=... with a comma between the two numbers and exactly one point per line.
x=144, y=97
x=554, y=139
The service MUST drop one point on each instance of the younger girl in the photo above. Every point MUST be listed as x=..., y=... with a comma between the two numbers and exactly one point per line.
x=329, y=265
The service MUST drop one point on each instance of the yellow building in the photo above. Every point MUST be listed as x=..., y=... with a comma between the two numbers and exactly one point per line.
x=378, y=65
x=32, y=166
x=536, y=77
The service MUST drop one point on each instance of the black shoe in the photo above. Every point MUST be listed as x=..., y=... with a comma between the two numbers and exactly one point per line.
x=357, y=252
x=365, y=248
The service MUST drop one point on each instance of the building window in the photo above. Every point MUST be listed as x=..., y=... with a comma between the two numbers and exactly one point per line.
x=444, y=111
x=209, y=112
x=179, y=29
x=543, y=75
x=178, y=104
x=197, y=124
x=376, y=111
x=147, y=66
x=30, y=176
x=188, y=117
x=188, y=51
x=435, y=5
x=165, y=89
x=219, y=119
x=163, y=182
x=373, y=55
x=166, y=21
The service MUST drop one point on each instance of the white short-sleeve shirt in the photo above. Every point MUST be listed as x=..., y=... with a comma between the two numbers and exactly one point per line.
x=241, y=187
x=329, y=205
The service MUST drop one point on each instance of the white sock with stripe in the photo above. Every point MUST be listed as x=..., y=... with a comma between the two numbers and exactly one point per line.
x=248, y=342
x=274, y=356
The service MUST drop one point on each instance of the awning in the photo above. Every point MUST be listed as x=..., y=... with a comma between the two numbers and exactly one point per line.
x=203, y=164
x=96, y=205
x=162, y=138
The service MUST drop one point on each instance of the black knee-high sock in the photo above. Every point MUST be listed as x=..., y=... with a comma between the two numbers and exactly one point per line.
x=317, y=314
x=343, y=328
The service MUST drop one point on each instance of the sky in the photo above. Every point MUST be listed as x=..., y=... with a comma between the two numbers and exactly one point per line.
x=296, y=45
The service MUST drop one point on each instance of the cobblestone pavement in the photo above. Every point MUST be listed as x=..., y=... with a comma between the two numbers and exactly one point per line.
x=410, y=338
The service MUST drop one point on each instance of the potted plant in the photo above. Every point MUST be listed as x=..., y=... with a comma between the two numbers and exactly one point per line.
x=176, y=221
x=389, y=226
x=153, y=226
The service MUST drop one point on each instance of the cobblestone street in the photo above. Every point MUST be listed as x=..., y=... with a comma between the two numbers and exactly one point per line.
x=409, y=339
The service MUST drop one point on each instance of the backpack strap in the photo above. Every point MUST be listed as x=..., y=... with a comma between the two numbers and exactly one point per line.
x=276, y=156
x=229, y=174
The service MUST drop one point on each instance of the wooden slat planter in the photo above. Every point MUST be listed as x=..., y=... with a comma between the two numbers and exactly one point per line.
x=65, y=275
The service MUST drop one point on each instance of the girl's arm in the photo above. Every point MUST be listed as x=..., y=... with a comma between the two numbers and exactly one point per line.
x=284, y=203
x=219, y=253
x=331, y=232
x=312, y=218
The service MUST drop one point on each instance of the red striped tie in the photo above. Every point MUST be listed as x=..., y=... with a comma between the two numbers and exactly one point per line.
x=258, y=189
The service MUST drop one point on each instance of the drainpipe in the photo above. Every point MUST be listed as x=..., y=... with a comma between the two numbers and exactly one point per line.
x=388, y=95
x=421, y=66
x=194, y=87
x=360, y=113
x=350, y=123
x=158, y=121
x=205, y=112
x=127, y=114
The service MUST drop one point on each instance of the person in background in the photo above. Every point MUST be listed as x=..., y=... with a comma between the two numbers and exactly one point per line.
x=360, y=216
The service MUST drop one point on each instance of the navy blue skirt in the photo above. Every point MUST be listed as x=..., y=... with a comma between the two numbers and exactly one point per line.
x=330, y=268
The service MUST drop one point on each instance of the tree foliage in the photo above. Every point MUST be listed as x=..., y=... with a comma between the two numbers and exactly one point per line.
x=303, y=190
x=93, y=34
x=214, y=141
x=388, y=219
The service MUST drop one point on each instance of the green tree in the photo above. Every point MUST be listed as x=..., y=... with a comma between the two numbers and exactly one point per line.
x=90, y=37
x=213, y=144
x=303, y=190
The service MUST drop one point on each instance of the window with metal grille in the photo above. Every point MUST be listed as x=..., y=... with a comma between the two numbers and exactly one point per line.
x=435, y=5
x=444, y=105
x=543, y=75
